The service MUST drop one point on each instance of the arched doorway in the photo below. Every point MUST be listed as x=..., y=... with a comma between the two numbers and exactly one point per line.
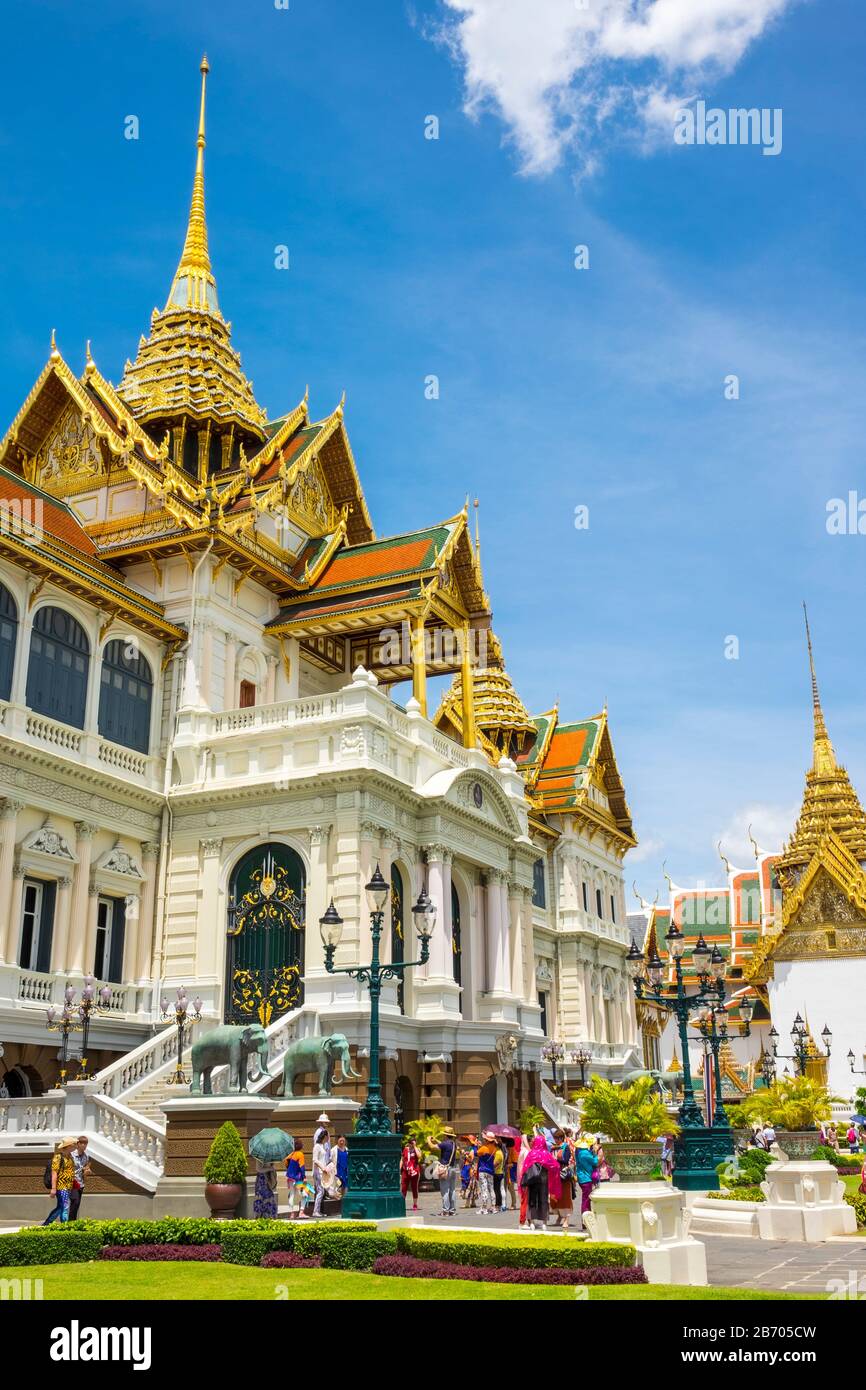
x=398, y=940
x=404, y=1103
x=456, y=942
x=265, y=955
x=487, y=1103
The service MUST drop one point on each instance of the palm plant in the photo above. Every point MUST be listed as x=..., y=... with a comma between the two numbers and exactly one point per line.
x=626, y=1114
x=791, y=1103
x=430, y=1127
x=530, y=1119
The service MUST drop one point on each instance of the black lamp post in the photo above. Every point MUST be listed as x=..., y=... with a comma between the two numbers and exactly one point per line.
x=374, y=1148
x=713, y=1026
x=699, y=1148
x=180, y=1013
x=65, y=1023
x=802, y=1045
x=855, y=1071
x=581, y=1057
x=553, y=1052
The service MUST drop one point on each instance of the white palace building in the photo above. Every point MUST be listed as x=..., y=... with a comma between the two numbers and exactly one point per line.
x=202, y=642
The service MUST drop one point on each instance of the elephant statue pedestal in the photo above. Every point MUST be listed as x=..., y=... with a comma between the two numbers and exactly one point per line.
x=191, y=1123
x=300, y=1116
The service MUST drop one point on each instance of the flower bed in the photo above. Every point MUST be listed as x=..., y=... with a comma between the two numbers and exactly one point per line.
x=484, y=1249
x=408, y=1267
x=287, y=1259
x=161, y=1252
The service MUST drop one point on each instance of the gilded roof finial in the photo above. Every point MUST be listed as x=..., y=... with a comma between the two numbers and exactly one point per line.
x=723, y=859
x=54, y=349
x=823, y=757
x=477, y=533
x=193, y=285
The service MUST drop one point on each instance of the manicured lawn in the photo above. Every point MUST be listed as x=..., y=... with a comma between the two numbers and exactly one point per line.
x=157, y=1280
x=851, y=1181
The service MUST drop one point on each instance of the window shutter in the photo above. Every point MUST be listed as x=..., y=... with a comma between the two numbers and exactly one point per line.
x=118, y=933
x=46, y=927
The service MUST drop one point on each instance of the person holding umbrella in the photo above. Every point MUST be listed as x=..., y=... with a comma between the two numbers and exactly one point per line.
x=268, y=1147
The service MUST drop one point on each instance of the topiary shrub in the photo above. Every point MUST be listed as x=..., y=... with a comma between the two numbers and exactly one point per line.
x=407, y=1267
x=227, y=1161
x=515, y=1252
x=49, y=1245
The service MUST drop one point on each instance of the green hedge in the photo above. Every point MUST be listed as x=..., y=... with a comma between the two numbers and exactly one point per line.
x=245, y=1242
x=515, y=1252
x=171, y=1230
x=743, y=1193
x=49, y=1245
x=356, y=1249
x=857, y=1200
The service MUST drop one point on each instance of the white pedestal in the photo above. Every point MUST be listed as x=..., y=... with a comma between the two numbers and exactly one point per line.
x=804, y=1202
x=650, y=1216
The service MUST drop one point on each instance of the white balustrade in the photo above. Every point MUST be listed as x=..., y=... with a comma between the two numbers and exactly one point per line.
x=134, y=1133
x=123, y=759
x=53, y=734
x=144, y=1063
x=36, y=989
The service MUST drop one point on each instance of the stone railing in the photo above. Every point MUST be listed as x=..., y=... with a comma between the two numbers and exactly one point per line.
x=38, y=989
x=122, y=759
x=43, y=730
x=144, y=1063
x=276, y=716
x=136, y=1134
x=129, y=1144
x=559, y=1110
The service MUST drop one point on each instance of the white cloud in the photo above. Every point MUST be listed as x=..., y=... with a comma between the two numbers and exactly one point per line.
x=770, y=825
x=558, y=71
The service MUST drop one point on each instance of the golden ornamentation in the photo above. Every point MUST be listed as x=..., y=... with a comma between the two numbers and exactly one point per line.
x=71, y=450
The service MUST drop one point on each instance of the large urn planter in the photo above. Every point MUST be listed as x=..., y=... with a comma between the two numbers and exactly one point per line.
x=797, y=1143
x=633, y=1162
x=223, y=1199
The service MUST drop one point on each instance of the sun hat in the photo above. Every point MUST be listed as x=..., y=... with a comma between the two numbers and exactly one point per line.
x=323, y=1119
x=68, y=1143
x=449, y=1130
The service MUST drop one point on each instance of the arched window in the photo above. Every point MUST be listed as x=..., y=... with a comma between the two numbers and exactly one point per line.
x=8, y=639
x=125, y=695
x=398, y=942
x=58, y=667
x=456, y=943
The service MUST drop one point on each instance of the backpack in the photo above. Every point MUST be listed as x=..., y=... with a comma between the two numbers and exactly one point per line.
x=533, y=1175
x=46, y=1176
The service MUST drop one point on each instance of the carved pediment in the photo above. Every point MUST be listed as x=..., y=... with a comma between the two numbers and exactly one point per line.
x=825, y=902
x=118, y=861
x=71, y=450
x=47, y=840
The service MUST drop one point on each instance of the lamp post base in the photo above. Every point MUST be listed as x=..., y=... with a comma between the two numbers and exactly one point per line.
x=374, y=1178
x=697, y=1152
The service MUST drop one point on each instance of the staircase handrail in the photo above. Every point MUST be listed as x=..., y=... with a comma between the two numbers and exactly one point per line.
x=145, y=1062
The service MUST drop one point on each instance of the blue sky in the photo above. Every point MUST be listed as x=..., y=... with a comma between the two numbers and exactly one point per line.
x=558, y=387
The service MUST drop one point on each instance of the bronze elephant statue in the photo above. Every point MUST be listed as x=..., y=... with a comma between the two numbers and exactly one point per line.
x=232, y=1044
x=320, y=1055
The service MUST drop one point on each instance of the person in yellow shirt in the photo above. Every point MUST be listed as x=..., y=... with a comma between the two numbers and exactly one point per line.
x=498, y=1174
x=62, y=1178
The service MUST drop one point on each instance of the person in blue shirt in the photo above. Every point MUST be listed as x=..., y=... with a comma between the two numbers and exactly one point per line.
x=342, y=1162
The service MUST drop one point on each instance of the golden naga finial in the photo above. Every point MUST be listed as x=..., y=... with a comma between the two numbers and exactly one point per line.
x=54, y=349
x=667, y=878
x=823, y=757
x=725, y=861
x=194, y=286
x=753, y=842
x=645, y=906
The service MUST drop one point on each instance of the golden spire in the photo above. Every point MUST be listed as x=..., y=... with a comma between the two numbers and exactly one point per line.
x=823, y=757
x=829, y=801
x=193, y=286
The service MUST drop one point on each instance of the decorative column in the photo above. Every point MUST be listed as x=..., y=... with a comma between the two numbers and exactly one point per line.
x=8, y=827
x=18, y=872
x=419, y=663
x=231, y=653
x=438, y=993
x=515, y=934
x=529, y=990
x=76, y=957
x=270, y=680
x=210, y=929
x=142, y=965
x=468, y=692
x=317, y=899
x=60, y=936
x=205, y=691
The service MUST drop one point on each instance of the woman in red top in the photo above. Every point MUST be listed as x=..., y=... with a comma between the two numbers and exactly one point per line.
x=410, y=1170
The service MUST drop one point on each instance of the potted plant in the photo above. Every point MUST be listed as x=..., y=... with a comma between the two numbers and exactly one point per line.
x=225, y=1172
x=795, y=1107
x=632, y=1118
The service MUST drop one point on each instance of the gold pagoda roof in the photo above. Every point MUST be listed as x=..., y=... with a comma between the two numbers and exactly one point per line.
x=188, y=367
x=830, y=803
x=501, y=718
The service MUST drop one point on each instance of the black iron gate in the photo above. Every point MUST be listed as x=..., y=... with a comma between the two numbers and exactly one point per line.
x=265, y=955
